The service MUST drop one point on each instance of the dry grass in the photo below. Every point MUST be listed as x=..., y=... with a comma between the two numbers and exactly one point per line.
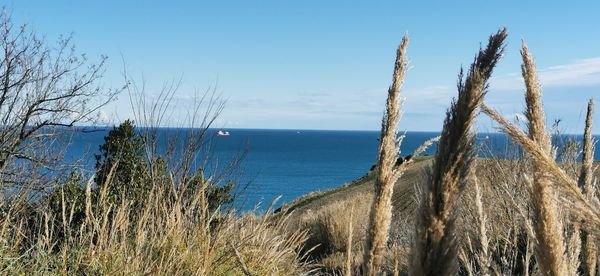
x=548, y=226
x=586, y=183
x=173, y=235
x=387, y=171
x=328, y=229
x=349, y=255
x=521, y=226
x=504, y=202
x=551, y=222
x=581, y=206
x=435, y=249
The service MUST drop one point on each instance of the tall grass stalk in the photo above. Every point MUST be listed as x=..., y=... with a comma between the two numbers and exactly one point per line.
x=548, y=227
x=435, y=248
x=349, y=256
x=590, y=251
x=484, y=255
x=381, y=211
x=586, y=176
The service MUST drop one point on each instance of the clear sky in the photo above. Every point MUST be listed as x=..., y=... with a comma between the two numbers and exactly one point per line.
x=316, y=64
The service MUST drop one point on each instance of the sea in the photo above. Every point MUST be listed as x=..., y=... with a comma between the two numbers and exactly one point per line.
x=286, y=164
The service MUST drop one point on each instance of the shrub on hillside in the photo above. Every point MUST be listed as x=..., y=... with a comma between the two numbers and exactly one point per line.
x=121, y=165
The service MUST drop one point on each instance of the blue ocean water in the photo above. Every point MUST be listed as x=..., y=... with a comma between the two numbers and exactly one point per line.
x=291, y=163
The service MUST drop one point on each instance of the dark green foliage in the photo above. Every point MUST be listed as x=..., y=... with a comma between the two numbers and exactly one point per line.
x=215, y=195
x=124, y=150
x=219, y=195
x=66, y=204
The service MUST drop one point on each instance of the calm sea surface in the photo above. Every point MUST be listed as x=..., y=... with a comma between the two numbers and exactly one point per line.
x=291, y=163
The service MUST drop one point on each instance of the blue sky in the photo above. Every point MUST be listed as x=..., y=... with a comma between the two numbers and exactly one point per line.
x=325, y=64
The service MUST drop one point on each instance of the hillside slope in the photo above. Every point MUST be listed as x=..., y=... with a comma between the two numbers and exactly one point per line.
x=326, y=215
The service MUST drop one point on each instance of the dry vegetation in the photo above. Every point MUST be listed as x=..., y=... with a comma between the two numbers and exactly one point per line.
x=459, y=215
x=452, y=214
x=172, y=235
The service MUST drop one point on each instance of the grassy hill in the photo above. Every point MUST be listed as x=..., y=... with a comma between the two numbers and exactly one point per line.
x=504, y=201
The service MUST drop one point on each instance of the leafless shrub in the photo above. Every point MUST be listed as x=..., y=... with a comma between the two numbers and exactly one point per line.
x=187, y=150
x=44, y=92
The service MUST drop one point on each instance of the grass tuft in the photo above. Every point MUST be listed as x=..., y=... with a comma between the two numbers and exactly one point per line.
x=435, y=248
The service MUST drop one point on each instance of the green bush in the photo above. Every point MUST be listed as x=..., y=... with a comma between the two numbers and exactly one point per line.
x=215, y=195
x=123, y=149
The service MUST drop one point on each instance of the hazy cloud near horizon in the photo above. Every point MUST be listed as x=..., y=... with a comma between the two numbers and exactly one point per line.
x=583, y=72
x=423, y=107
x=426, y=105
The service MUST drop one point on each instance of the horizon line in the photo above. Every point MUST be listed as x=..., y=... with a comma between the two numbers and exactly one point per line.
x=304, y=129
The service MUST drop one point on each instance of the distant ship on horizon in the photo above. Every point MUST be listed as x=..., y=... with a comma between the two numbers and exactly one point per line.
x=222, y=133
